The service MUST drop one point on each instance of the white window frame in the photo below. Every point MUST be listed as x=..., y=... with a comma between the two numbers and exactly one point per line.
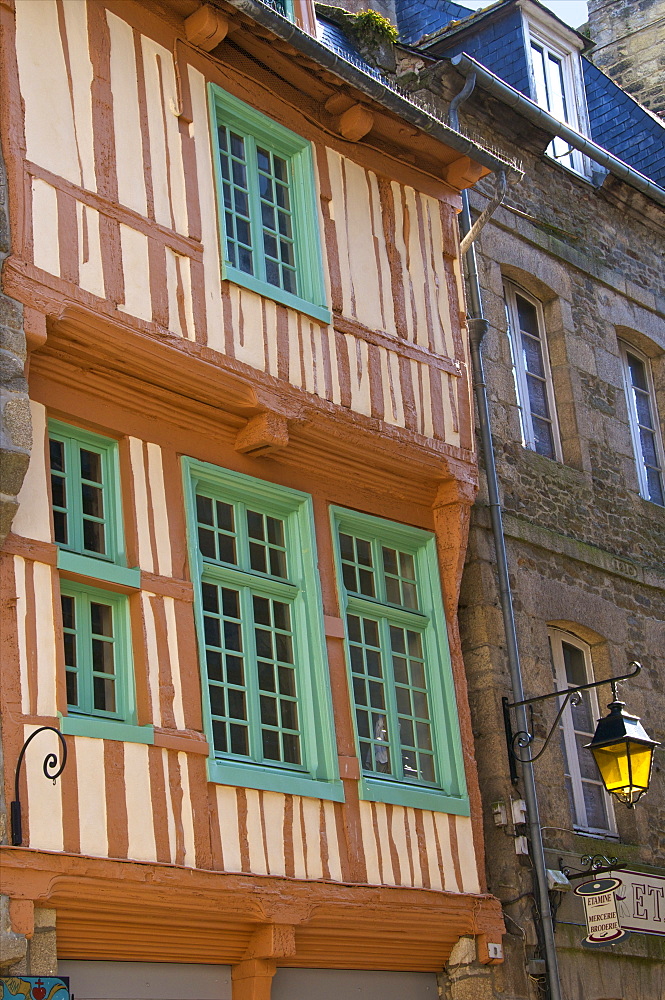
x=519, y=369
x=633, y=420
x=542, y=31
x=558, y=636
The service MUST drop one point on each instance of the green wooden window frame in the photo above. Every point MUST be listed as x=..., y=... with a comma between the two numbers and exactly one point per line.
x=85, y=494
x=98, y=654
x=266, y=692
x=71, y=510
x=266, y=203
x=400, y=675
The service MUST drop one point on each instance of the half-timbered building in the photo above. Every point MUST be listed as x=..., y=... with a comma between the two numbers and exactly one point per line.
x=231, y=582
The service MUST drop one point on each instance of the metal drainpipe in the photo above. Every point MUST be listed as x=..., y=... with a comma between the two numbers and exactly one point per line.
x=478, y=326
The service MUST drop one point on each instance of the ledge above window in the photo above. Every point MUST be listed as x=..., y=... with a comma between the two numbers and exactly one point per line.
x=93, y=727
x=99, y=569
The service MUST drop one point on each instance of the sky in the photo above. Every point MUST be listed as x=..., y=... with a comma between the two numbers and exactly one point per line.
x=573, y=12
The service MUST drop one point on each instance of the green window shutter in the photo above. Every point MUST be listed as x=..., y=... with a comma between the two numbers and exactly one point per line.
x=399, y=664
x=267, y=208
x=87, y=514
x=260, y=630
x=98, y=662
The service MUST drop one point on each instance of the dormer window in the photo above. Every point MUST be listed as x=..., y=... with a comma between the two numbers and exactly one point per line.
x=556, y=85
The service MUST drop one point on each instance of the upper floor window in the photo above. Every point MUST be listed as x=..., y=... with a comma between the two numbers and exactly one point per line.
x=84, y=475
x=590, y=804
x=87, y=527
x=399, y=664
x=267, y=208
x=557, y=87
x=531, y=369
x=268, y=712
x=643, y=417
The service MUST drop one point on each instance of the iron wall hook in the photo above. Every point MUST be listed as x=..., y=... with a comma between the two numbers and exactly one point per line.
x=49, y=767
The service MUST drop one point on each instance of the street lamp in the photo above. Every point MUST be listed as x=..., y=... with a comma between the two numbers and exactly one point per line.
x=622, y=749
x=623, y=752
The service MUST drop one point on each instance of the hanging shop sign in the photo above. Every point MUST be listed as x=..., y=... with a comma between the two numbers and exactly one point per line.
x=641, y=902
x=600, y=908
x=34, y=988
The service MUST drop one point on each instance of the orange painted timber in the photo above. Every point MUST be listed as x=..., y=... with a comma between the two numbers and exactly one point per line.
x=125, y=911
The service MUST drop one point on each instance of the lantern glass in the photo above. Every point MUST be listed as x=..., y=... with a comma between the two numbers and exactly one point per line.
x=625, y=768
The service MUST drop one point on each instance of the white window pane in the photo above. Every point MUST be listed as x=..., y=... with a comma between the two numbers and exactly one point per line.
x=555, y=87
x=538, y=62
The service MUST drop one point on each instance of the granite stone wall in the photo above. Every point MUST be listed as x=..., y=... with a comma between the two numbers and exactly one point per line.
x=15, y=423
x=630, y=48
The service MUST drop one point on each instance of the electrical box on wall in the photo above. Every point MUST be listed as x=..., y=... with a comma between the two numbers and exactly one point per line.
x=521, y=845
x=519, y=811
x=500, y=813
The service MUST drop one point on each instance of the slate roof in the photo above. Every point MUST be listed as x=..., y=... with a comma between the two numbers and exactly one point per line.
x=334, y=38
x=621, y=126
x=495, y=38
x=416, y=18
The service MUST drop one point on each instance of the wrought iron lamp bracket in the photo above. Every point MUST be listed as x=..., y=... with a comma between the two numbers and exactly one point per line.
x=523, y=739
x=52, y=768
x=596, y=864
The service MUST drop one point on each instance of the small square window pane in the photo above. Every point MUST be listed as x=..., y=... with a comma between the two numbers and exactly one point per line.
x=219, y=736
x=371, y=631
x=68, y=611
x=237, y=705
x=281, y=615
x=214, y=665
x=204, y=510
x=93, y=537
x=60, y=527
x=257, y=557
x=59, y=491
x=230, y=602
x=287, y=681
x=57, y=455
x=234, y=670
x=91, y=466
x=291, y=749
x=346, y=546
x=101, y=619
x=104, y=694
x=271, y=748
x=71, y=681
x=239, y=740
x=210, y=597
x=263, y=159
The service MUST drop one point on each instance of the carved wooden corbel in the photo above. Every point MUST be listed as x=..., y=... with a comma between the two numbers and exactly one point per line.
x=206, y=28
x=263, y=435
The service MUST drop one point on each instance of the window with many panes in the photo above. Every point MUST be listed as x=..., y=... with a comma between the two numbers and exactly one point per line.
x=95, y=644
x=260, y=633
x=557, y=88
x=87, y=527
x=643, y=417
x=84, y=476
x=589, y=802
x=531, y=370
x=401, y=683
x=267, y=208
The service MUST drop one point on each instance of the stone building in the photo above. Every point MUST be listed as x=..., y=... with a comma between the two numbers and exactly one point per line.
x=571, y=282
x=628, y=46
x=230, y=589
